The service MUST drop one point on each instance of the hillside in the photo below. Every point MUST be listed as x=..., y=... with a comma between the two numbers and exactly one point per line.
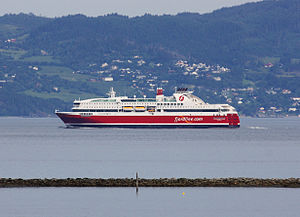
x=248, y=56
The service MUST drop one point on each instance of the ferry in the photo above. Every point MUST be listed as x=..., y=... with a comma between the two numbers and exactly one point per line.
x=182, y=109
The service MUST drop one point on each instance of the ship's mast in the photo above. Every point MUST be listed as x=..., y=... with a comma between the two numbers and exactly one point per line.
x=111, y=93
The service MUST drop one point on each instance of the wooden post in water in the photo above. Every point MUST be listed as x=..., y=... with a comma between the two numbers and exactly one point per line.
x=136, y=182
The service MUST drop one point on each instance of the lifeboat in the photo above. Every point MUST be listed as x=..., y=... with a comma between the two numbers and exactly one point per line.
x=151, y=109
x=127, y=108
x=140, y=108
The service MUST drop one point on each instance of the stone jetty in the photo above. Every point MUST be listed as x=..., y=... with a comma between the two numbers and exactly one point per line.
x=162, y=182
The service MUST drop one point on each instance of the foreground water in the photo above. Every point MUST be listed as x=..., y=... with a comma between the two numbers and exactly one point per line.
x=44, y=148
x=165, y=202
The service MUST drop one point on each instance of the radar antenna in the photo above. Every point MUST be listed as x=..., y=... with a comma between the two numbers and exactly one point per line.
x=111, y=93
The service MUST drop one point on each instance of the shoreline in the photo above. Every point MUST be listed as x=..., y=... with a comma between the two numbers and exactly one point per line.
x=160, y=182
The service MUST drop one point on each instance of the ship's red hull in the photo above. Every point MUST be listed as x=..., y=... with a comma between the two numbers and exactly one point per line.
x=231, y=120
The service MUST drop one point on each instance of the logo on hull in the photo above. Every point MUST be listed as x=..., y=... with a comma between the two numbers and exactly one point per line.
x=187, y=119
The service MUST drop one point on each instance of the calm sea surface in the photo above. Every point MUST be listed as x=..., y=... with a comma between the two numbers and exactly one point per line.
x=44, y=148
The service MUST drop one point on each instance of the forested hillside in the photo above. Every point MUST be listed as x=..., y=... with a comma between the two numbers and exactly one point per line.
x=248, y=56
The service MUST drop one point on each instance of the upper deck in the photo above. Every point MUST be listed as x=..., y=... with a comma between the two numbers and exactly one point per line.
x=181, y=101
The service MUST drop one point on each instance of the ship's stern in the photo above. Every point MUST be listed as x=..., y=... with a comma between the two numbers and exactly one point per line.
x=233, y=120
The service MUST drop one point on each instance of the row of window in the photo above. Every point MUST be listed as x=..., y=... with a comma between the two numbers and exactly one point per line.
x=169, y=103
x=165, y=110
x=130, y=100
x=191, y=110
x=95, y=110
x=225, y=110
x=138, y=100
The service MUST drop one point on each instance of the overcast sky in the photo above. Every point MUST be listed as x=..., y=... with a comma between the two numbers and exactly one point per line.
x=52, y=8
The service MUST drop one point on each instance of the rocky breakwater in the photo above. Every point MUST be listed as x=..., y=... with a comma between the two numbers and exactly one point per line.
x=162, y=182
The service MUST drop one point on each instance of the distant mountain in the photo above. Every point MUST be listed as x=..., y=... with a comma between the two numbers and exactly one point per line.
x=13, y=25
x=247, y=55
x=228, y=36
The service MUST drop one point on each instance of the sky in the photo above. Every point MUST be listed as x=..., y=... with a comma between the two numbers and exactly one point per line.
x=57, y=8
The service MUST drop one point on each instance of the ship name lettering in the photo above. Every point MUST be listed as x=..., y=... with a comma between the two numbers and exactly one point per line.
x=187, y=119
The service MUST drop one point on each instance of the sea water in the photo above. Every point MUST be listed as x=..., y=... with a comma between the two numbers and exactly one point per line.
x=45, y=148
x=149, y=202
